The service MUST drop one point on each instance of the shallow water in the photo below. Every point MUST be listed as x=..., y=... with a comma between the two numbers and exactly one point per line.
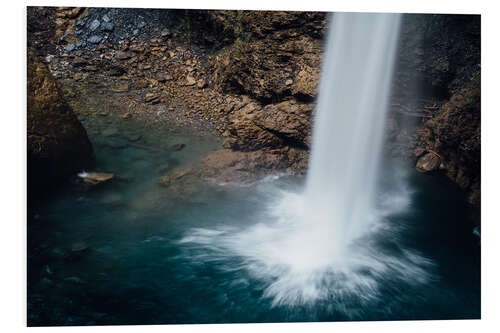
x=155, y=257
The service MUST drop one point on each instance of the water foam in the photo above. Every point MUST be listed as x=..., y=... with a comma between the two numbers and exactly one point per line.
x=327, y=243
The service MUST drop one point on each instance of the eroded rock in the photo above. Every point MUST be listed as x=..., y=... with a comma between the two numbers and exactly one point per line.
x=58, y=145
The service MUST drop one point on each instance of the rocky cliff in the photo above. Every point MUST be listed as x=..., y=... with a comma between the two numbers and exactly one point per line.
x=252, y=76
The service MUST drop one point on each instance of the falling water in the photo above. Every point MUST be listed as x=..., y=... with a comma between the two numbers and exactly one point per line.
x=349, y=126
x=323, y=243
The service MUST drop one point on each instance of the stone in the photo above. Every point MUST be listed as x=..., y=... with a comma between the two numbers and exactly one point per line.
x=165, y=32
x=106, y=18
x=94, y=39
x=120, y=87
x=163, y=77
x=177, y=146
x=57, y=143
x=110, y=131
x=127, y=115
x=123, y=55
x=94, y=25
x=95, y=177
x=428, y=162
x=133, y=137
x=190, y=81
x=108, y=26
x=79, y=247
x=79, y=62
x=70, y=47
x=152, y=98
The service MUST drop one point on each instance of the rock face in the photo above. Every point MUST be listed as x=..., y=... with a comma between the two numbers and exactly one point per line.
x=254, y=76
x=58, y=145
x=455, y=134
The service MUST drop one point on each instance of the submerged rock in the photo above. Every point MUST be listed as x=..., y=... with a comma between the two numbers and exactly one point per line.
x=177, y=146
x=79, y=247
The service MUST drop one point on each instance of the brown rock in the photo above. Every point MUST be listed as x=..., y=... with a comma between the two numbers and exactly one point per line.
x=58, y=146
x=190, y=81
x=428, y=162
x=122, y=55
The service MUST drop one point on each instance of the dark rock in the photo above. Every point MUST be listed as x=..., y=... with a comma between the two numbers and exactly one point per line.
x=177, y=146
x=58, y=146
x=108, y=26
x=94, y=39
x=94, y=25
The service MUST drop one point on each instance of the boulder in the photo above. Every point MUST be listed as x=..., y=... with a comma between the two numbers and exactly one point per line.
x=58, y=146
x=428, y=162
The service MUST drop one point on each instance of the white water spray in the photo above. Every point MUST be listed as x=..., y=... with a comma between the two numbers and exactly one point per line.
x=306, y=246
x=349, y=127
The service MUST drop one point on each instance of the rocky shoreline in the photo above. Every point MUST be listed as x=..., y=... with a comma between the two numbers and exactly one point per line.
x=252, y=78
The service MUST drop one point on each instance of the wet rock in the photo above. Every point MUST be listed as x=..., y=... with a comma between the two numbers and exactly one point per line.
x=58, y=145
x=110, y=131
x=133, y=137
x=177, y=146
x=117, y=143
x=166, y=181
x=428, y=162
x=234, y=167
x=95, y=177
x=164, y=168
x=74, y=279
x=79, y=247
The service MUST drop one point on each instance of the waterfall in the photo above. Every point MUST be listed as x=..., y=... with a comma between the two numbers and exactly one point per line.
x=326, y=242
x=349, y=126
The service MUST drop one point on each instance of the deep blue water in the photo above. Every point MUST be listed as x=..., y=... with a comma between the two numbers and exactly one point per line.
x=135, y=271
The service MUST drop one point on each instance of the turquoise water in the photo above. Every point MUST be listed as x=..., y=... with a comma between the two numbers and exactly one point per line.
x=138, y=270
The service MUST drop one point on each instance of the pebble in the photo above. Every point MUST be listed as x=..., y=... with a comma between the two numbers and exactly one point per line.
x=108, y=26
x=95, y=39
x=106, y=18
x=94, y=25
x=70, y=47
